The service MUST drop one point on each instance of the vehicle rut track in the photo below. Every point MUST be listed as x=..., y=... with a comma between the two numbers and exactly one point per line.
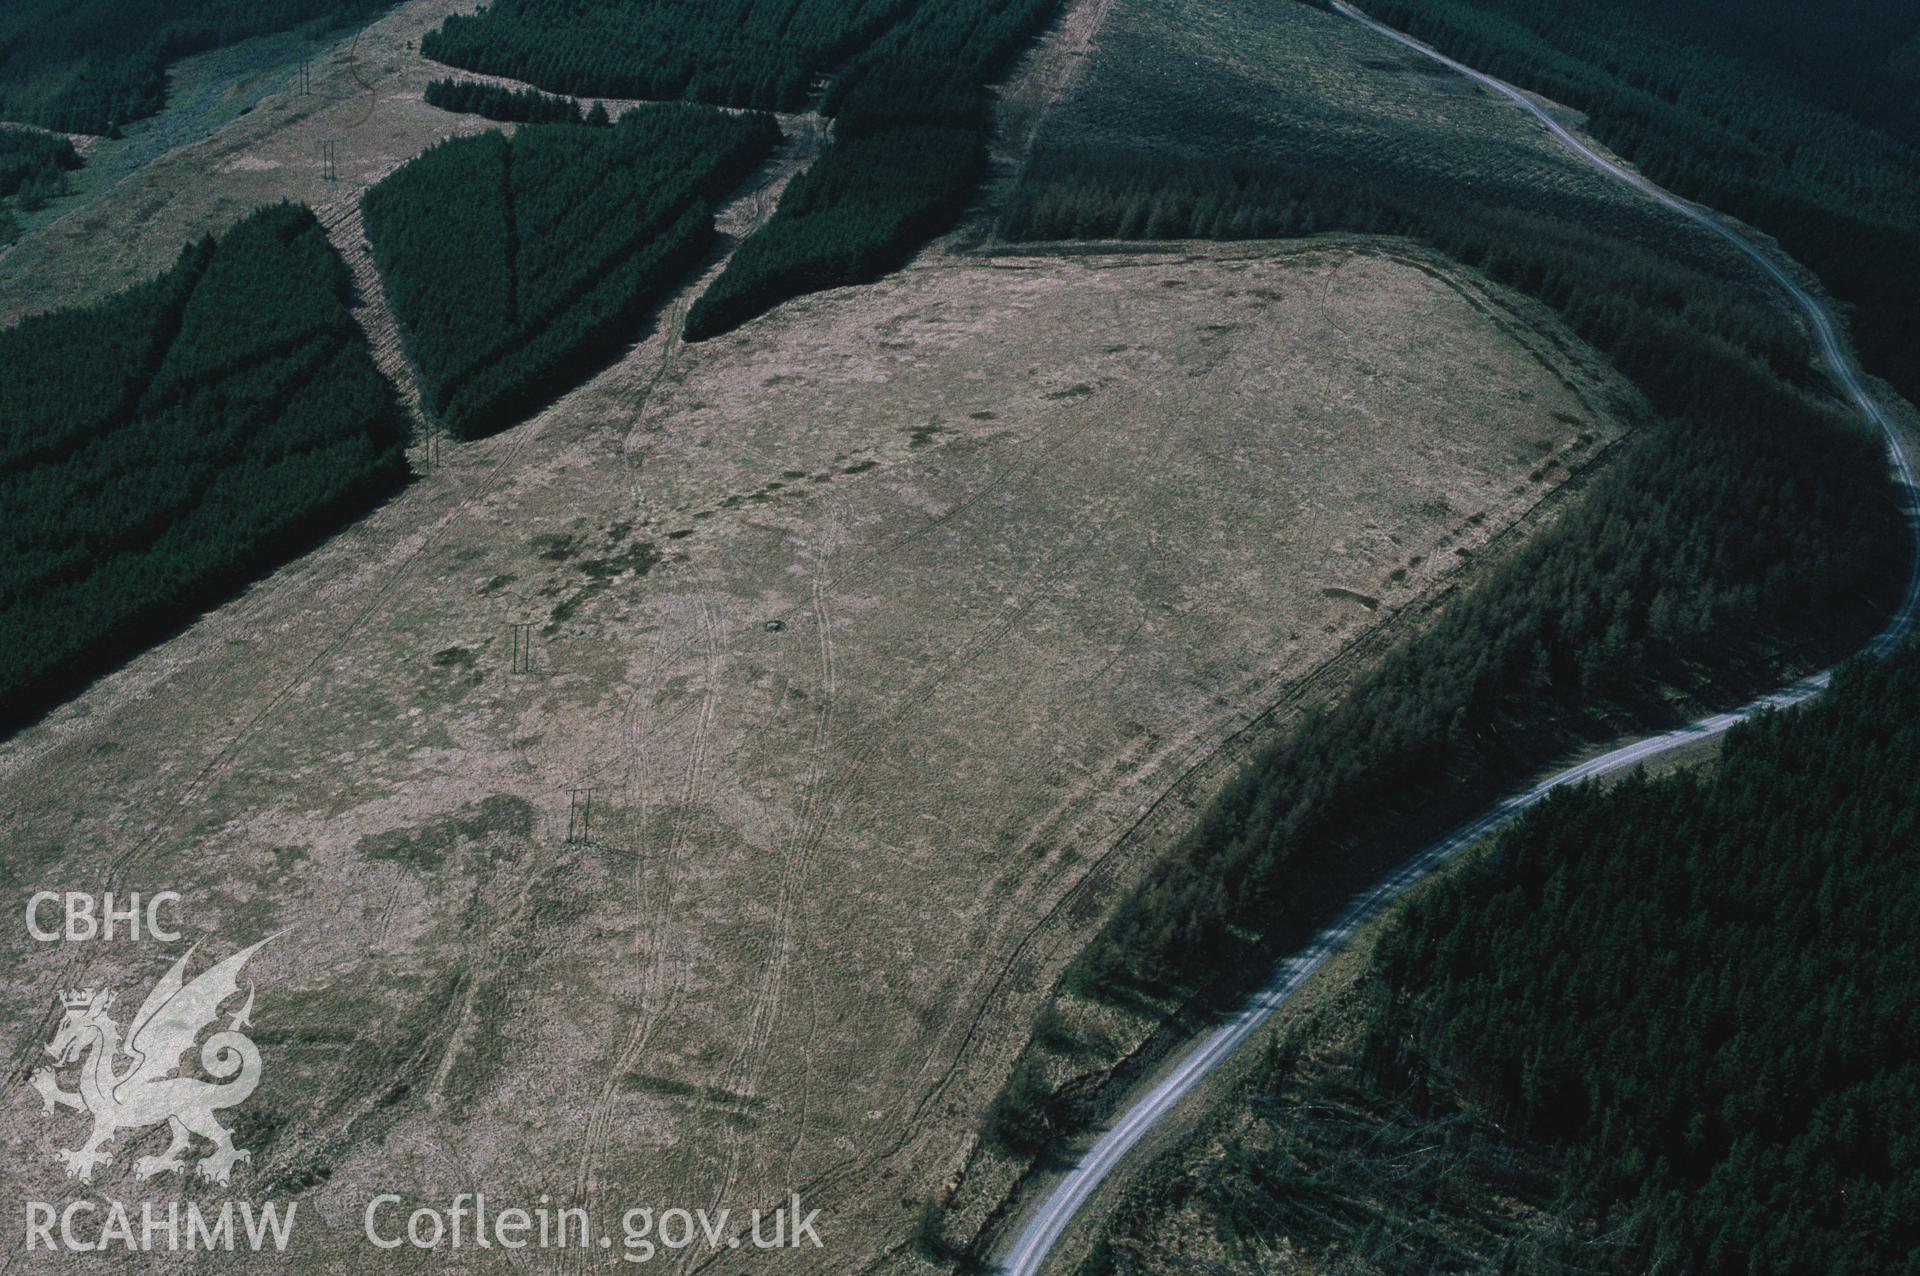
x=654, y=990
x=823, y=621
x=868, y=744
x=657, y=987
x=810, y=826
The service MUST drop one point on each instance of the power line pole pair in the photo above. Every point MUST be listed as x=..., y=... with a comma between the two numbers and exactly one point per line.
x=579, y=816
x=430, y=450
x=579, y=800
x=522, y=658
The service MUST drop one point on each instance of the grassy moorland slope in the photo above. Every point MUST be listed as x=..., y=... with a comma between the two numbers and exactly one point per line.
x=833, y=865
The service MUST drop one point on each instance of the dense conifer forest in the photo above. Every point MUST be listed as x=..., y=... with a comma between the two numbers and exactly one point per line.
x=87, y=66
x=1661, y=1027
x=909, y=149
x=497, y=102
x=907, y=89
x=33, y=170
x=1804, y=122
x=516, y=264
x=1704, y=988
x=763, y=54
x=856, y=214
x=162, y=446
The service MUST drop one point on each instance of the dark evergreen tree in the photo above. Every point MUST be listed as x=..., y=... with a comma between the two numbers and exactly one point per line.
x=35, y=160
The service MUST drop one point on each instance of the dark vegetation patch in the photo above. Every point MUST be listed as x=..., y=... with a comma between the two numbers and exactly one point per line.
x=165, y=445
x=636, y=560
x=33, y=171
x=642, y=1083
x=517, y=265
x=90, y=67
x=1354, y=596
x=498, y=102
x=554, y=548
x=426, y=847
x=919, y=436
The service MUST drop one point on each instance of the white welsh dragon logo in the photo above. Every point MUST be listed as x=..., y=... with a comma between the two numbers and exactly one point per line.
x=146, y=1092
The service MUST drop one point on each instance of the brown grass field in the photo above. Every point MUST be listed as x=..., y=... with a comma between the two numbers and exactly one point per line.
x=889, y=633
